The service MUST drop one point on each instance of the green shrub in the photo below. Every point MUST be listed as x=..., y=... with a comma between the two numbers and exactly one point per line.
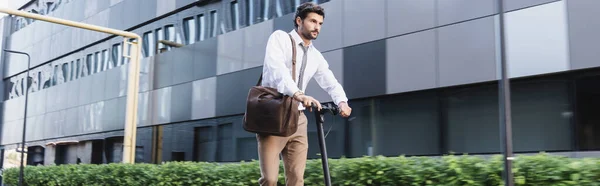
x=541, y=169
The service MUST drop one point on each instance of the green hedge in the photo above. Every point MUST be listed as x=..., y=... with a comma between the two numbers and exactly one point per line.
x=541, y=169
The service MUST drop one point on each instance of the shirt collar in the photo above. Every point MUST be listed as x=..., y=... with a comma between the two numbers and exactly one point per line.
x=297, y=38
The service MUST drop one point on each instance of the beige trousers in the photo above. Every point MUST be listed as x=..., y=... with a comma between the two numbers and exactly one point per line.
x=293, y=150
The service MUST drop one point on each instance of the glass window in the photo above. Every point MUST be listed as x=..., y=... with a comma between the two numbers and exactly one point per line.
x=97, y=59
x=201, y=27
x=472, y=119
x=204, y=140
x=224, y=143
x=65, y=72
x=159, y=36
x=407, y=124
x=359, y=129
x=250, y=12
x=55, y=75
x=78, y=71
x=104, y=60
x=541, y=115
x=214, y=19
x=235, y=15
x=189, y=30
x=170, y=34
x=72, y=70
x=88, y=64
x=116, y=54
x=148, y=43
x=587, y=105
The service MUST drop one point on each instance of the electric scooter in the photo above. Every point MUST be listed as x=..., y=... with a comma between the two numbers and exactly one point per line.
x=319, y=116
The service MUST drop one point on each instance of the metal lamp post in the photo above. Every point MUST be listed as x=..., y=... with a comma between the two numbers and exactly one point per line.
x=504, y=102
x=25, y=114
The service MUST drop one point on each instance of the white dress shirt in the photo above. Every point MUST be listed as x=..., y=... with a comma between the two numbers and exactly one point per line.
x=278, y=64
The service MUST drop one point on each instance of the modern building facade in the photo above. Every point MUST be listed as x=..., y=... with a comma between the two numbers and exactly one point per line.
x=421, y=75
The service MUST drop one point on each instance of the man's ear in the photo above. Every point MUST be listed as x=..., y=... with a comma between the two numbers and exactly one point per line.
x=298, y=21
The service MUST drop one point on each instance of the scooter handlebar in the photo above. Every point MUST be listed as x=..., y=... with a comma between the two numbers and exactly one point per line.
x=327, y=107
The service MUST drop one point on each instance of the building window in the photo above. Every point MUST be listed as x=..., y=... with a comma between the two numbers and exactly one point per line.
x=72, y=70
x=97, y=62
x=77, y=70
x=250, y=12
x=148, y=44
x=189, y=30
x=159, y=36
x=104, y=60
x=201, y=27
x=203, y=144
x=116, y=54
x=235, y=15
x=214, y=19
x=88, y=64
x=170, y=35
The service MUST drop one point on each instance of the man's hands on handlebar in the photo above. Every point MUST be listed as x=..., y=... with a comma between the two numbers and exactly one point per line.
x=307, y=101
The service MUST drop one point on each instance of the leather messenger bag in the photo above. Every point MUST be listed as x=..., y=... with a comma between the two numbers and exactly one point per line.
x=268, y=111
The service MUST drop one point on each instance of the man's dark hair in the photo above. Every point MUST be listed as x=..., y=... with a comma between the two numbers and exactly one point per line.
x=305, y=8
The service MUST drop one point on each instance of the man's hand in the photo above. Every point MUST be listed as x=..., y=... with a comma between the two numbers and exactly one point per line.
x=307, y=101
x=345, y=110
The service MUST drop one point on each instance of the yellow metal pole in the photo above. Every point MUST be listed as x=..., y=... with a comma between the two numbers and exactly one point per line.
x=133, y=76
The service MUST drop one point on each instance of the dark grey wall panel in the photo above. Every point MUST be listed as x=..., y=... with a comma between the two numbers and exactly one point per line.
x=583, y=33
x=182, y=3
x=164, y=7
x=183, y=64
x=467, y=52
x=405, y=16
x=61, y=96
x=181, y=102
x=73, y=94
x=255, y=43
x=98, y=86
x=510, y=5
x=330, y=37
x=109, y=119
x=205, y=58
x=147, y=10
x=204, y=98
x=51, y=100
x=369, y=26
x=232, y=90
x=117, y=13
x=411, y=62
x=163, y=69
x=230, y=52
x=285, y=23
x=111, y=89
x=144, y=109
x=161, y=104
x=461, y=10
x=366, y=63
x=131, y=13
x=85, y=90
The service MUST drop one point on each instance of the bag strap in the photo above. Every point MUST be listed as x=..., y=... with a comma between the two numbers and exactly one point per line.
x=293, y=62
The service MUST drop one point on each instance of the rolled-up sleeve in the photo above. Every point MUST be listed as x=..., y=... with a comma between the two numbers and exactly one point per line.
x=325, y=78
x=275, y=72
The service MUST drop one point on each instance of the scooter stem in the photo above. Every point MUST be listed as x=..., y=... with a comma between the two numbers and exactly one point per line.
x=320, y=118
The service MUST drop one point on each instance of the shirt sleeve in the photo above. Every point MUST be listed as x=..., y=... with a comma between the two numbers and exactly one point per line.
x=275, y=72
x=329, y=83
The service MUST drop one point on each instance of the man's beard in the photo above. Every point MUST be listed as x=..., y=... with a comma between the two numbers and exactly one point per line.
x=308, y=35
